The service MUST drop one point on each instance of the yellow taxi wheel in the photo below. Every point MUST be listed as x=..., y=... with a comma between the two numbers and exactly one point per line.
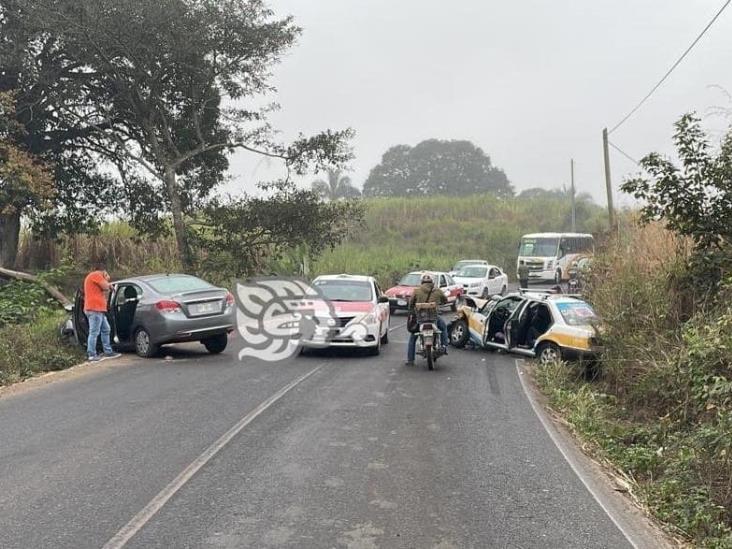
x=549, y=353
x=459, y=333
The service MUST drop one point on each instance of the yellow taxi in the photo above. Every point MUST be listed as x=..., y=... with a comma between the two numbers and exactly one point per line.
x=550, y=327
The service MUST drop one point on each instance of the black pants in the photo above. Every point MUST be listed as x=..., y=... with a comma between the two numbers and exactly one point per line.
x=524, y=283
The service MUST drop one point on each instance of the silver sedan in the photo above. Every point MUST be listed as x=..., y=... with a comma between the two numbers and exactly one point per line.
x=146, y=312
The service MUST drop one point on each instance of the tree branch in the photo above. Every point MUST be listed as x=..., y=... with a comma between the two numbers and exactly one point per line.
x=53, y=291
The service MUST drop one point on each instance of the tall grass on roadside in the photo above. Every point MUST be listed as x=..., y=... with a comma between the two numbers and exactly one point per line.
x=662, y=413
x=28, y=349
x=398, y=235
x=631, y=287
x=126, y=253
x=401, y=234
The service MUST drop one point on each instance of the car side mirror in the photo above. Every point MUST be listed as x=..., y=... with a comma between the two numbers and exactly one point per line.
x=383, y=299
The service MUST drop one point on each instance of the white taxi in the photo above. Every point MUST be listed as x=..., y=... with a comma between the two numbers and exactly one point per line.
x=360, y=312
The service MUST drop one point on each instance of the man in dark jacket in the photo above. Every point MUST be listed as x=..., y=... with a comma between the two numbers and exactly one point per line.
x=426, y=293
x=523, y=274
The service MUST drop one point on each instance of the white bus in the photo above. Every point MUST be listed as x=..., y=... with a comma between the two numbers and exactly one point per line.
x=549, y=255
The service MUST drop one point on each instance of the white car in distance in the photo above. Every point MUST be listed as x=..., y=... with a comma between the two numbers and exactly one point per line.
x=464, y=263
x=482, y=280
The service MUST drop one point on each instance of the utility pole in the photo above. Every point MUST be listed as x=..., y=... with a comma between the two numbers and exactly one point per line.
x=608, y=181
x=574, y=203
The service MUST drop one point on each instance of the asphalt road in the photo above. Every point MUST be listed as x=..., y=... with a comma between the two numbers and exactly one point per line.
x=362, y=453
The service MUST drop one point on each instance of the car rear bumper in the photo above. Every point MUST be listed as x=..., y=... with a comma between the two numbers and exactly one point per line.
x=178, y=328
x=398, y=303
x=198, y=335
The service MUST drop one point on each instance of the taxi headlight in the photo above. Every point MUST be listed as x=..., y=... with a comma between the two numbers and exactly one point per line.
x=369, y=319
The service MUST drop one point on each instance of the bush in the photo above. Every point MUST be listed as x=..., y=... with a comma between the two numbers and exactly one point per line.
x=662, y=413
x=28, y=349
x=22, y=302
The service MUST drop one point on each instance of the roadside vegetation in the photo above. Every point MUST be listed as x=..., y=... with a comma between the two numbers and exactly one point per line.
x=30, y=340
x=386, y=237
x=662, y=411
x=403, y=234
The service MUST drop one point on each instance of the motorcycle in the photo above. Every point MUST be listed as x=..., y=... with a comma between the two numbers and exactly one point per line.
x=428, y=337
x=573, y=284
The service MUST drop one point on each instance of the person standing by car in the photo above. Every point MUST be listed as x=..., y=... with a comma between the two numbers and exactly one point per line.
x=427, y=293
x=523, y=274
x=96, y=294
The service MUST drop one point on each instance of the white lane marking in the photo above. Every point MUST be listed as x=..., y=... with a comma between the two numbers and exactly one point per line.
x=121, y=538
x=397, y=327
x=570, y=460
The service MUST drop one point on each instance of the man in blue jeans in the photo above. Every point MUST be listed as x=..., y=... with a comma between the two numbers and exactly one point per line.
x=427, y=293
x=96, y=293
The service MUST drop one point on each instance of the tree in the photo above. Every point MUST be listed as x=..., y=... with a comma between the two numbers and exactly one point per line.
x=695, y=199
x=24, y=182
x=169, y=79
x=337, y=186
x=41, y=77
x=436, y=167
x=559, y=193
x=240, y=234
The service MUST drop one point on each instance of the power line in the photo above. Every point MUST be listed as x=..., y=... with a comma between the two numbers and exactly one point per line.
x=626, y=155
x=668, y=73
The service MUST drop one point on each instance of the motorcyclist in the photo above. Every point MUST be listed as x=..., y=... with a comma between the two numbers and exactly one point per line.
x=426, y=293
x=573, y=282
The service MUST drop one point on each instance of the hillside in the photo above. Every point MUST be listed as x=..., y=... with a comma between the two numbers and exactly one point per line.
x=400, y=234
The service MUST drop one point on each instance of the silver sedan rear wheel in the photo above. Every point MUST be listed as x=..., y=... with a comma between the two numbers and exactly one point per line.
x=144, y=345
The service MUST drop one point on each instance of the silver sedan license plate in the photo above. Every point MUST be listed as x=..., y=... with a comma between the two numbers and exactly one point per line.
x=205, y=308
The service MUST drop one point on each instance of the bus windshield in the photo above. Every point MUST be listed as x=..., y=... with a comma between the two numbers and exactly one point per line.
x=539, y=247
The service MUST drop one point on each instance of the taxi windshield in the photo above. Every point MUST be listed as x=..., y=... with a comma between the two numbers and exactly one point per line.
x=344, y=290
x=473, y=271
x=412, y=279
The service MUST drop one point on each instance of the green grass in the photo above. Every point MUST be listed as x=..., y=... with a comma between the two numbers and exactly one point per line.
x=663, y=461
x=398, y=235
x=401, y=234
x=662, y=411
x=35, y=347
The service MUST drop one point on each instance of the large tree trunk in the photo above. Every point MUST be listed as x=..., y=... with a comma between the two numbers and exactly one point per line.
x=179, y=225
x=9, y=236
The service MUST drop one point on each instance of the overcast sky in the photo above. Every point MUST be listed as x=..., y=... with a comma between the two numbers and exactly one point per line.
x=530, y=82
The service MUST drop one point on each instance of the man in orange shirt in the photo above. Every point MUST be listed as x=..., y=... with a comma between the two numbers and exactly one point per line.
x=96, y=292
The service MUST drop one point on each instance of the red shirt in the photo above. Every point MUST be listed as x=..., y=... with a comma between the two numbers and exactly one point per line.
x=95, y=298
